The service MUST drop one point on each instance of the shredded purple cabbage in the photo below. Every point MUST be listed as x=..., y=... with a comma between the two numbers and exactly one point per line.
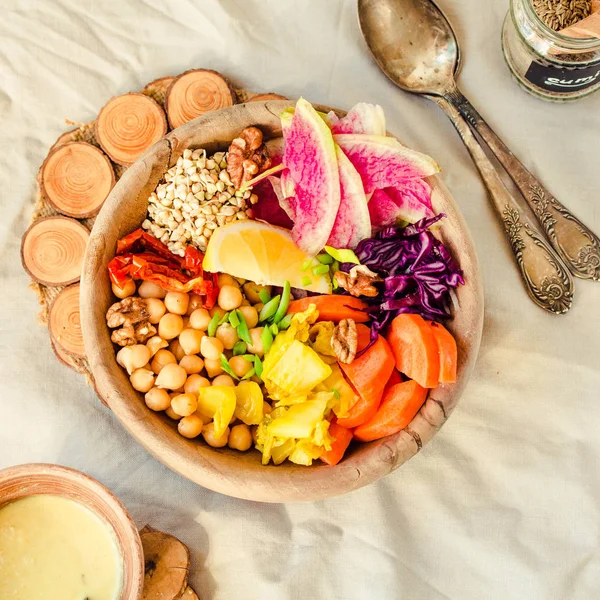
x=418, y=273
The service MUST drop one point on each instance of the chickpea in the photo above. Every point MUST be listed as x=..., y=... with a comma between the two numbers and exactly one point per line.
x=172, y=414
x=184, y=404
x=177, y=302
x=156, y=343
x=254, y=430
x=170, y=326
x=186, y=321
x=245, y=302
x=149, y=289
x=240, y=280
x=239, y=365
x=128, y=289
x=190, y=426
x=227, y=335
x=192, y=364
x=230, y=297
x=240, y=437
x=194, y=382
x=157, y=399
x=211, y=348
x=213, y=367
x=180, y=390
x=225, y=279
x=171, y=376
x=133, y=357
x=208, y=431
x=200, y=319
x=224, y=380
x=156, y=308
x=258, y=307
x=176, y=349
x=267, y=408
x=252, y=290
x=256, y=347
x=190, y=340
x=161, y=359
x=142, y=380
x=216, y=310
x=194, y=303
x=250, y=315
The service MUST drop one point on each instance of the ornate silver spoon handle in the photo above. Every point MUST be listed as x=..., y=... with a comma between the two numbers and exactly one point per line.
x=577, y=245
x=546, y=278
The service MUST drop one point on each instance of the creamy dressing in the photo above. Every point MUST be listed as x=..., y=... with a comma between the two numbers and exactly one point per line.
x=52, y=548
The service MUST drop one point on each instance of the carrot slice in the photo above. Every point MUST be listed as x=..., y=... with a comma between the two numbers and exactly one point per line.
x=415, y=349
x=332, y=307
x=400, y=404
x=447, y=351
x=368, y=374
x=394, y=379
x=342, y=438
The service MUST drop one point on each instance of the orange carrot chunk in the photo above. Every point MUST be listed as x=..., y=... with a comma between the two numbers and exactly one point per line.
x=447, y=351
x=415, y=349
x=400, y=404
x=332, y=307
x=395, y=378
x=343, y=437
x=368, y=374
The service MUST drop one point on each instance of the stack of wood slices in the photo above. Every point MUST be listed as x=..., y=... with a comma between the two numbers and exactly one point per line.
x=79, y=172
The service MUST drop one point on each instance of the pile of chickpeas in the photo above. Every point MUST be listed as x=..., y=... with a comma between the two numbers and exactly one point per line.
x=173, y=365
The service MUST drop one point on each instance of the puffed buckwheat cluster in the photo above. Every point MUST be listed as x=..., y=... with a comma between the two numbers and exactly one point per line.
x=194, y=198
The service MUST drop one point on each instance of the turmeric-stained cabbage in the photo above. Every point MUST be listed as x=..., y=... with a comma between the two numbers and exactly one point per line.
x=249, y=402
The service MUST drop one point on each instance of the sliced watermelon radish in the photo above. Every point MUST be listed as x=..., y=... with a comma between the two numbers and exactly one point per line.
x=388, y=207
x=311, y=159
x=362, y=118
x=383, y=161
x=352, y=222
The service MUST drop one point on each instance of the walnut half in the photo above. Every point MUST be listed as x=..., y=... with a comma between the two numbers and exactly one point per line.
x=129, y=319
x=247, y=156
x=128, y=335
x=345, y=341
x=359, y=281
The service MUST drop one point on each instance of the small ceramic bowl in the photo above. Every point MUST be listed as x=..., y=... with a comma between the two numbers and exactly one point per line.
x=35, y=479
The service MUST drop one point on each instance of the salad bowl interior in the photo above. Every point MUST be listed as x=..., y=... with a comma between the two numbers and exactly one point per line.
x=228, y=471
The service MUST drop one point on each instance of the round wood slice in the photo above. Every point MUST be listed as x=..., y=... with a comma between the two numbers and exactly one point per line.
x=196, y=92
x=128, y=125
x=52, y=250
x=64, y=322
x=63, y=357
x=225, y=470
x=265, y=97
x=76, y=179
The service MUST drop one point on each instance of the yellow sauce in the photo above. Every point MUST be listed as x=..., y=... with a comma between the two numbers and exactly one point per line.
x=52, y=548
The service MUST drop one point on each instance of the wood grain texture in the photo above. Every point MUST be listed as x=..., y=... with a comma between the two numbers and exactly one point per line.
x=35, y=479
x=225, y=470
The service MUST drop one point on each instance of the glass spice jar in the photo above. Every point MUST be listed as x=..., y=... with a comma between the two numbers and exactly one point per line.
x=546, y=63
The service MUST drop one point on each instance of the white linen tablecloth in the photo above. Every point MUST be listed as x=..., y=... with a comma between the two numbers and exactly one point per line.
x=505, y=502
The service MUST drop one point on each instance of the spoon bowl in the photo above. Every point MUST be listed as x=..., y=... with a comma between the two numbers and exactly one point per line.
x=413, y=43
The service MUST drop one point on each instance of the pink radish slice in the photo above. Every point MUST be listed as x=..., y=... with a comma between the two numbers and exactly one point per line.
x=361, y=118
x=383, y=161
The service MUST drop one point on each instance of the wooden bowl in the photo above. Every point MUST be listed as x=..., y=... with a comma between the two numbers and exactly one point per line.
x=35, y=479
x=224, y=470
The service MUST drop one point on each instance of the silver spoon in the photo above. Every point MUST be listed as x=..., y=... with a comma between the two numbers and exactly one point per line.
x=414, y=45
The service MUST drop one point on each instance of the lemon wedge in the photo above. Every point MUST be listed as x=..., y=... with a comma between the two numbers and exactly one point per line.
x=263, y=253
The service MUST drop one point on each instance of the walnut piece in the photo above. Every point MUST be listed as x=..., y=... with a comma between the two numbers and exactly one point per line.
x=247, y=156
x=345, y=341
x=128, y=335
x=127, y=312
x=359, y=282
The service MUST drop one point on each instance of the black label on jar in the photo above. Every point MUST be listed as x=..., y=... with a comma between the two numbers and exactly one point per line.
x=562, y=81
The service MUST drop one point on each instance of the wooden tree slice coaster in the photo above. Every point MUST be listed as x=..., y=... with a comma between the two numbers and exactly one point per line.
x=128, y=125
x=76, y=179
x=167, y=563
x=63, y=357
x=265, y=97
x=52, y=250
x=64, y=323
x=157, y=89
x=196, y=92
